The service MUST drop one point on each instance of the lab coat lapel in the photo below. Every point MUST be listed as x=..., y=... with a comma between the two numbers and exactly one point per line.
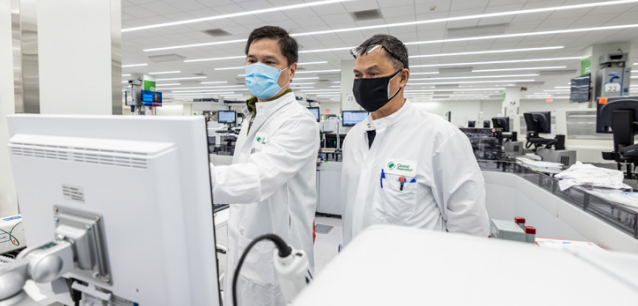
x=265, y=113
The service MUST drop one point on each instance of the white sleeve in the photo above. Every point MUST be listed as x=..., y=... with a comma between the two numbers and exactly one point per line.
x=459, y=187
x=285, y=153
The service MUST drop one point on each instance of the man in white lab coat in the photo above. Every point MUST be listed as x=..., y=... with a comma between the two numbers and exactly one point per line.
x=402, y=165
x=270, y=185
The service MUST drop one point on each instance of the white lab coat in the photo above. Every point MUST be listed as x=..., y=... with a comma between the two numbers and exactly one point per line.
x=271, y=189
x=444, y=187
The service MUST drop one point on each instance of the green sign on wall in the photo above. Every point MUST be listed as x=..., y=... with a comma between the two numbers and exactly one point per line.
x=149, y=85
x=585, y=66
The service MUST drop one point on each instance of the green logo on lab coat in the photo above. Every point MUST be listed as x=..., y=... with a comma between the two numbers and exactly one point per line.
x=261, y=140
x=391, y=165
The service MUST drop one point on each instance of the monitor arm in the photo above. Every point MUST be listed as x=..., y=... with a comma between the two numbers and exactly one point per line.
x=43, y=264
x=79, y=244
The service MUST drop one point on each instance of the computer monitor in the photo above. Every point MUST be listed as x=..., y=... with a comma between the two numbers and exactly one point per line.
x=539, y=122
x=226, y=117
x=351, y=118
x=502, y=123
x=148, y=196
x=315, y=112
x=151, y=98
x=448, y=116
x=471, y=123
x=486, y=124
x=580, y=89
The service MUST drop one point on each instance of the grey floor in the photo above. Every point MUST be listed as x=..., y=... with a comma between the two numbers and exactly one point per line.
x=327, y=245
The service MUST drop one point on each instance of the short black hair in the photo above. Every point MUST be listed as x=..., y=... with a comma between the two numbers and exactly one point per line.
x=287, y=44
x=391, y=43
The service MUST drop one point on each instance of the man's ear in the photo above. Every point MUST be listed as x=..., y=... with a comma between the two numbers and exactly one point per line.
x=293, y=70
x=405, y=76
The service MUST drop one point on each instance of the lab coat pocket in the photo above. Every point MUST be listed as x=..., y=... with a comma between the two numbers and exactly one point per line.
x=258, y=267
x=393, y=204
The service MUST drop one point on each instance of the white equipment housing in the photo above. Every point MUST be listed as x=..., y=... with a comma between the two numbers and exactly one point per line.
x=147, y=178
x=389, y=265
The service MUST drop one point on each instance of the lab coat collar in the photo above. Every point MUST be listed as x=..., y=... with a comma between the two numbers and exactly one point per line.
x=267, y=108
x=384, y=122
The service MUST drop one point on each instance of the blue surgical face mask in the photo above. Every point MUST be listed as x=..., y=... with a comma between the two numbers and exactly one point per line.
x=261, y=80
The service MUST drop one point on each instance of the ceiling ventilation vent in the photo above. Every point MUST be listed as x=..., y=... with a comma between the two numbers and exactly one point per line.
x=216, y=32
x=199, y=74
x=492, y=29
x=366, y=15
x=166, y=58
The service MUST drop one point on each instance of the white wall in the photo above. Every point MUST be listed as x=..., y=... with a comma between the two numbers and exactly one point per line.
x=169, y=110
x=334, y=107
x=74, y=46
x=8, y=199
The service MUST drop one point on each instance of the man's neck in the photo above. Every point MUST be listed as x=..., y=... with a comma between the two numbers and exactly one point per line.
x=275, y=97
x=390, y=108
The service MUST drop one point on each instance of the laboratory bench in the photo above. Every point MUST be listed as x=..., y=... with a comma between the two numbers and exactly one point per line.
x=577, y=213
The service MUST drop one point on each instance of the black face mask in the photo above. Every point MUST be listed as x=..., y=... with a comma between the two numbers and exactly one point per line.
x=373, y=94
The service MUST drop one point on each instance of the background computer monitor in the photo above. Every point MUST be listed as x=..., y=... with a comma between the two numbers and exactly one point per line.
x=539, y=122
x=160, y=238
x=605, y=109
x=502, y=123
x=226, y=117
x=580, y=89
x=486, y=124
x=315, y=112
x=471, y=123
x=151, y=98
x=351, y=118
x=448, y=116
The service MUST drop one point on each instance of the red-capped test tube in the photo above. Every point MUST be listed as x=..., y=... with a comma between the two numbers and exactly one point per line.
x=530, y=234
x=520, y=221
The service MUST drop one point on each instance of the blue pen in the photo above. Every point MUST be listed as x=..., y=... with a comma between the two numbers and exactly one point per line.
x=382, y=177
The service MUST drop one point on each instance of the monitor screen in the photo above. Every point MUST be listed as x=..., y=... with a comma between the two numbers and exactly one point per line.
x=501, y=123
x=226, y=117
x=351, y=118
x=315, y=112
x=580, y=91
x=151, y=98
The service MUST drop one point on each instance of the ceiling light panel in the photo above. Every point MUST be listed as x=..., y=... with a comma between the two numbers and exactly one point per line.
x=164, y=72
x=522, y=68
x=500, y=62
x=479, y=77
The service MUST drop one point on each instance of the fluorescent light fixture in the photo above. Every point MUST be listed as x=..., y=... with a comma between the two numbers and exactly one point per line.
x=478, y=16
x=336, y=86
x=306, y=78
x=168, y=84
x=214, y=59
x=488, y=52
x=479, y=77
x=455, y=89
x=502, y=62
x=212, y=87
x=214, y=82
x=243, y=67
x=302, y=87
x=186, y=78
x=225, y=16
x=304, y=83
x=124, y=81
x=635, y=77
x=231, y=68
x=164, y=72
x=524, y=68
x=134, y=65
x=127, y=74
x=424, y=73
x=562, y=87
x=203, y=91
x=473, y=82
x=336, y=82
x=196, y=45
x=319, y=71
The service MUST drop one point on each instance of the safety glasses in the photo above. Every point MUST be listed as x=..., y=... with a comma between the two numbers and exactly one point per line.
x=375, y=49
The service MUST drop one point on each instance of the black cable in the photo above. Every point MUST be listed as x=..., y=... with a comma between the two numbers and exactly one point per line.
x=284, y=251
